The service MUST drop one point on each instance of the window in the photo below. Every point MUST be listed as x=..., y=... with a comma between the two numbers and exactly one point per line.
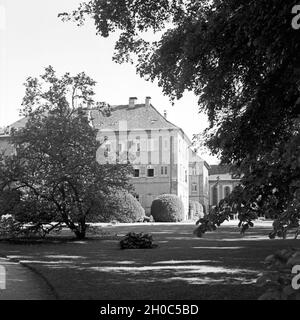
x=150, y=172
x=194, y=187
x=107, y=150
x=136, y=173
x=215, y=195
x=227, y=191
x=130, y=144
x=163, y=171
x=138, y=147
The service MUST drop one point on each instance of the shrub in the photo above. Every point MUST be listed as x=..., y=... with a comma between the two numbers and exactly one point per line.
x=121, y=207
x=278, y=278
x=196, y=210
x=9, y=227
x=199, y=209
x=167, y=208
x=137, y=241
x=192, y=209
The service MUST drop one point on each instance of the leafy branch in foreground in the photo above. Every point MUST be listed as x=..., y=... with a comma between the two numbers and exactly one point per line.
x=241, y=59
x=278, y=278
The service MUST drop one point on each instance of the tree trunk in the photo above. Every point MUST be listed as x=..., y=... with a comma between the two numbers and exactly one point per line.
x=80, y=234
x=80, y=231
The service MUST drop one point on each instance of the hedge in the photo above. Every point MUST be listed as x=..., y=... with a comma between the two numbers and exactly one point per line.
x=167, y=208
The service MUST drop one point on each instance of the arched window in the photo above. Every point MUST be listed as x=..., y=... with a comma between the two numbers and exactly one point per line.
x=227, y=191
x=215, y=195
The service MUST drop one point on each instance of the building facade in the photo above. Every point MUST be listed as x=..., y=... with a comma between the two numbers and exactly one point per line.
x=221, y=183
x=158, y=150
x=198, y=182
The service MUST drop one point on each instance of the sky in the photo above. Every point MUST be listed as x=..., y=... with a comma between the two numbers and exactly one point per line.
x=32, y=37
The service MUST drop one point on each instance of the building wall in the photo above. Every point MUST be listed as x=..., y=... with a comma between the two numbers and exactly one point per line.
x=182, y=161
x=164, y=151
x=6, y=148
x=198, y=185
x=221, y=182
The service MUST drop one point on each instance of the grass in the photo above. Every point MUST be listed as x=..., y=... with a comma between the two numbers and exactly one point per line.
x=221, y=265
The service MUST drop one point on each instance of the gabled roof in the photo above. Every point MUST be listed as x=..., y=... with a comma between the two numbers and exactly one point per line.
x=194, y=157
x=19, y=124
x=219, y=169
x=139, y=116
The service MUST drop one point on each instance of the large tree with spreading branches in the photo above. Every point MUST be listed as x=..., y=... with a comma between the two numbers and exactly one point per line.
x=52, y=174
x=241, y=58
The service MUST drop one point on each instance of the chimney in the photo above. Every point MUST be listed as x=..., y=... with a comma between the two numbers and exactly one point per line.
x=165, y=114
x=132, y=101
x=148, y=101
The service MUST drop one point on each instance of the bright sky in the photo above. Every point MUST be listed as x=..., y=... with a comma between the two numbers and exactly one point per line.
x=32, y=37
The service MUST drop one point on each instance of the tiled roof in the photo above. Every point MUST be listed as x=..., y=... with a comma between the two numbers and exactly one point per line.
x=19, y=124
x=139, y=116
x=194, y=157
x=219, y=169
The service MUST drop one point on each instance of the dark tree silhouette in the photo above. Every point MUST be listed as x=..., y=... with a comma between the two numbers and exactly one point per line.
x=241, y=58
x=53, y=174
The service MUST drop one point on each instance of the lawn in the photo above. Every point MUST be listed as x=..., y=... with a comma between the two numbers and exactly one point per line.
x=221, y=265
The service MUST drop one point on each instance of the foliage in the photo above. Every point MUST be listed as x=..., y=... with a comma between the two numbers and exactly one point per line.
x=241, y=59
x=211, y=221
x=120, y=206
x=53, y=175
x=137, y=241
x=167, y=208
x=278, y=278
x=9, y=227
x=269, y=188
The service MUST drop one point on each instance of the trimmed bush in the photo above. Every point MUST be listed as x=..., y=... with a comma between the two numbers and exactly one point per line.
x=195, y=210
x=137, y=241
x=121, y=207
x=192, y=209
x=199, y=209
x=167, y=208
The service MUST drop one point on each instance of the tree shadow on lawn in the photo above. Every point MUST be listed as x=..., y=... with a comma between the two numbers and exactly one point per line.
x=182, y=267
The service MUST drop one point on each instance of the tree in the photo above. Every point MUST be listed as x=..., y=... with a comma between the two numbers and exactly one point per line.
x=241, y=59
x=53, y=175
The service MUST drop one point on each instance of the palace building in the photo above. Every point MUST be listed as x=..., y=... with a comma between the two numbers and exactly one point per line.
x=159, y=151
